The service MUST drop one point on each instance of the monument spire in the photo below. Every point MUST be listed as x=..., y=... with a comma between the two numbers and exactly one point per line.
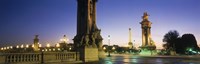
x=130, y=44
x=36, y=43
x=130, y=37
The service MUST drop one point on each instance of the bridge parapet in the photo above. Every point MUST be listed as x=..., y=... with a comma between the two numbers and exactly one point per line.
x=34, y=58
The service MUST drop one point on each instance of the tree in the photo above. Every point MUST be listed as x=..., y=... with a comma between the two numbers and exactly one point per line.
x=183, y=45
x=189, y=42
x=170, y=39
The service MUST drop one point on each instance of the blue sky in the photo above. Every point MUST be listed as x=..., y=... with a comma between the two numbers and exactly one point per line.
x=20, y=20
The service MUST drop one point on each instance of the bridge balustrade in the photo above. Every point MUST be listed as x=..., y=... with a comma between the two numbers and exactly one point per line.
x=44, y=57
x=22, y=57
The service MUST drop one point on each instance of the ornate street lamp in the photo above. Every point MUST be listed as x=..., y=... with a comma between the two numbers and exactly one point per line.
x=40, y=45
x=17, y=46
x=4, y=48
x=58, y=45
x=104, y=48
x=54, y=49
x=48, y=45
x=108, y=45
x=27, y=46
x=70, y=48
x=113, y=48
x=22, y=46
x=32, y=45
x=11, y=47
x=7, y=47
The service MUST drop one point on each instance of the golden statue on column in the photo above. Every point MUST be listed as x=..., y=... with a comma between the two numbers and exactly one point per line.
x=147, y=42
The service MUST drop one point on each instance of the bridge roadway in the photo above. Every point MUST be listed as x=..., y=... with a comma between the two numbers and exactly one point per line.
x=60, y=58
x=136, y=59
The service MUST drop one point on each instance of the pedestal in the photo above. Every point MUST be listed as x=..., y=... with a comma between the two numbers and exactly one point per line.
x=101, y=54
x=148, y=50
x=89, y=54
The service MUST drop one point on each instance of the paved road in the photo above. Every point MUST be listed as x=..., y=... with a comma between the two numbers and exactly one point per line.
x=131, y=59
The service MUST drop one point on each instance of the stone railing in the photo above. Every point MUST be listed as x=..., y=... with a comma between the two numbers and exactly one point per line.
x=22, y=57
x=45, y=57
x=60, y=56
x=66, y=56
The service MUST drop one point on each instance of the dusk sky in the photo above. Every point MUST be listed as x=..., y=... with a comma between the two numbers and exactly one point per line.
x=20, y=20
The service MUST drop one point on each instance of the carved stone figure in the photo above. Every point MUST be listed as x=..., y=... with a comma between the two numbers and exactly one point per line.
x=88, y=35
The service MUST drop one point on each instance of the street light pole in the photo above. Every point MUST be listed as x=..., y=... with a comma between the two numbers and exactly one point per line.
x=108, y=45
